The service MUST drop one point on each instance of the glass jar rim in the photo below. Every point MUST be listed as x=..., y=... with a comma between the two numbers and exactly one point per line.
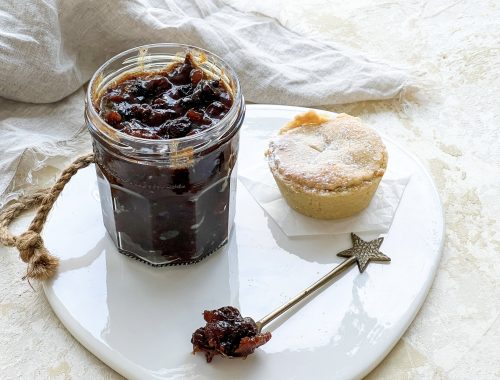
x=113, y=133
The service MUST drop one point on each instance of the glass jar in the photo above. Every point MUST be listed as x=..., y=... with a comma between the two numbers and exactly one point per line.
x=166, y=202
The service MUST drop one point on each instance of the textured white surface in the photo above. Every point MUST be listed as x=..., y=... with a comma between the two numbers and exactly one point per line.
x=452, y=127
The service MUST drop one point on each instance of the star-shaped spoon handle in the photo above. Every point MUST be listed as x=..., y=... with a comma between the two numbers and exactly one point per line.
x=362, y=253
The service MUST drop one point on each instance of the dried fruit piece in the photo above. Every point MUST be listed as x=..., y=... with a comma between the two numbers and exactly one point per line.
x=227, y=333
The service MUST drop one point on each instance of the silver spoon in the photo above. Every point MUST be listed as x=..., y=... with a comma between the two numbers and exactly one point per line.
x=362, y=253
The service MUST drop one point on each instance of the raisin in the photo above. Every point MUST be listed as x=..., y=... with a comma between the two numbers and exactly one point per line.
x=207, y=90
x=180, y=75
x=225, y=98
x=156, y=84
x=206, y=121
x=194, y=116
x=116, y=98
x=179, y=129
x=144, y=112
x=114, y=118
x=216, y=109
x=196, y=76
x=185, y=102
x=157, y=117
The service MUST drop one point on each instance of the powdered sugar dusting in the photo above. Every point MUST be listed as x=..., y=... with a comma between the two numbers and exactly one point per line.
x=333, y=154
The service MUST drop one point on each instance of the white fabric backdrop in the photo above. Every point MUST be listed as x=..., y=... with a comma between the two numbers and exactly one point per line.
x=49, y=49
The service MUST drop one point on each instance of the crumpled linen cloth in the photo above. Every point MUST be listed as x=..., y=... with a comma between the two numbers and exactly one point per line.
x=49, y=50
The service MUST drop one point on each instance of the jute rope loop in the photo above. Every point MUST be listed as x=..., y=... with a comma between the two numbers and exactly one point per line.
x=41, y=264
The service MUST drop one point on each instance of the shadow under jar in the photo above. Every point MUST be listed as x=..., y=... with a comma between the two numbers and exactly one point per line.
x=166, y=200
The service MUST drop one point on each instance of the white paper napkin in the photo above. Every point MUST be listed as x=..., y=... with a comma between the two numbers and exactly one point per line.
x=377, y=217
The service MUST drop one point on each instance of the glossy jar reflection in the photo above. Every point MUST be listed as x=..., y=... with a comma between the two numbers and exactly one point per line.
x=166, y=201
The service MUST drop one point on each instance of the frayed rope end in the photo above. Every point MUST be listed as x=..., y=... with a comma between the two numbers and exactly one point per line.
x=42, y=267
x=41, y=264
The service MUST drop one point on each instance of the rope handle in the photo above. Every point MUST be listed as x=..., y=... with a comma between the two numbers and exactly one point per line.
x=41, y=264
